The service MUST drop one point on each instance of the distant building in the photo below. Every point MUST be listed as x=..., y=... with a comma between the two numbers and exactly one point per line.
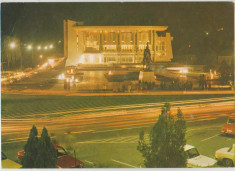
x=114, y=44
x=227, y=59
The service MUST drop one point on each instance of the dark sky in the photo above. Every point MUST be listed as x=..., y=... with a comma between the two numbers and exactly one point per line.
x=187, y=21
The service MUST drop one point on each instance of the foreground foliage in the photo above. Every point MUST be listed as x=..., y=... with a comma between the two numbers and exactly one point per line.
x=39, y=152
x=166, y=141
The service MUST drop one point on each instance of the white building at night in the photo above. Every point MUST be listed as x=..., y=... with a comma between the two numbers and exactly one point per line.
x=114, y=44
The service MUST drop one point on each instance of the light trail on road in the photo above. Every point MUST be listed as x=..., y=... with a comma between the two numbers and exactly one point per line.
x=123, y=107
x=13, y=129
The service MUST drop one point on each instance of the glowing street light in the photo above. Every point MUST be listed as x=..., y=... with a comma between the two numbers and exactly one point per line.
x=51, y=46
x=40, y=56
x=39, y=47
x=29, y=47
x=45, y=47
x=207, y=33
x=12, y=45
x=184, y=70
x=51, y=61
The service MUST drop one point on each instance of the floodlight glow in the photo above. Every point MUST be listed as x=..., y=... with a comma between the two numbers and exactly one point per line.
x=39, y=47
x=110, y=73
x=91, y=57
x=51, y=46
x=45, y=47
x=12, y=45
x=184, y=70
x=61, y=76
x=51, y=61
x=45, y=65
x=29, y=47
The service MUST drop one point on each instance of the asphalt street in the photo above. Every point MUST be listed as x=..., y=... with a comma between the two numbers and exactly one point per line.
x=113, y=117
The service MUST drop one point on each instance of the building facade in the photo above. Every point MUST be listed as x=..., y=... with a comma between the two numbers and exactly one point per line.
x=114, y=44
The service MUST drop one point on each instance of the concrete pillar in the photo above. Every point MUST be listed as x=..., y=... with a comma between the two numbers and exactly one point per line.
x=119, y=46
x=154, y=46
x=100, y=42
x=137, y=46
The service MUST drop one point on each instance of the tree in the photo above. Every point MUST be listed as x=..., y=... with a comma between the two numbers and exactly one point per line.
x=39, y=153
x=166, y=141
x=30, y=149
x=47, y=157
x=226, y=73
x=11, y=53
x=180, y=140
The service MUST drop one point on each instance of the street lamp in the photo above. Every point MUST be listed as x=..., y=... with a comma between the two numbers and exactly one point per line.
x=45, y=47
x=12, y=45
x=29, y=47
x=51, y=46
x=39, y=47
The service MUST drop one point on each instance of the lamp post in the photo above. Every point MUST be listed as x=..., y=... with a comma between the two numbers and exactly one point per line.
x=30, y=48
x=12, y=46
x=40, y=56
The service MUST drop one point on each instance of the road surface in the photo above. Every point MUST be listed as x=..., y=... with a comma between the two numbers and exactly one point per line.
x=112, y=117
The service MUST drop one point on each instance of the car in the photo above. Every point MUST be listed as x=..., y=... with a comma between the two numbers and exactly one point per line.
x=226, y=155
x=9, y=164
x=64, y=159
x=229, y=126
x=194, y=159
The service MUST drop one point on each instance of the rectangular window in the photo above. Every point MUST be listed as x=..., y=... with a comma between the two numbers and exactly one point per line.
x=105, y=35
x=112, y=37
x=157, y=47
x=163, y=46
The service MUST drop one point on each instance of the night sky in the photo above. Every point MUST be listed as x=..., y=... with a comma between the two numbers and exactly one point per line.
x=188, y=22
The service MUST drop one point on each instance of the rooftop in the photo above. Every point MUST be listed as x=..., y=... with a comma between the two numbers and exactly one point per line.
x=120, y=28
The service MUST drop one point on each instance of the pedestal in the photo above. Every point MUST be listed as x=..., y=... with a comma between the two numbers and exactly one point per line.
x=147, y=76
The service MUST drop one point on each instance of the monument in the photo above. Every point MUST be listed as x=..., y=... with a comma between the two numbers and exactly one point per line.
x=146, y=75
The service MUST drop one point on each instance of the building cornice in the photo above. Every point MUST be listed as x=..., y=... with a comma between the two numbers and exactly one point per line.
x=120, y=28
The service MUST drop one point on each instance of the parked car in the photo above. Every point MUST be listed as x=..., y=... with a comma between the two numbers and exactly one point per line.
x=9, y=164
x=64, y=160
x=194, y=159
x=229, y=126
x=226, y=155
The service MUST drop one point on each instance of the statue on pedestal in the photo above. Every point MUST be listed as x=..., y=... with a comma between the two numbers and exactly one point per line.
x=147, y=59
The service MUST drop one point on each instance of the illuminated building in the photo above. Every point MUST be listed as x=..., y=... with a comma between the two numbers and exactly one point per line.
x=114, y=44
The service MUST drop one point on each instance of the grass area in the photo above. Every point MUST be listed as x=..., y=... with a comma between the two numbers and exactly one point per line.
x=108, y=149
x=20, y=105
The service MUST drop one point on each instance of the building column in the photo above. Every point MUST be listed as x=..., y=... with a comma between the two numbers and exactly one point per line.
x=137, y=46
x=154, y=46
x=101, y=42
x=118, y=46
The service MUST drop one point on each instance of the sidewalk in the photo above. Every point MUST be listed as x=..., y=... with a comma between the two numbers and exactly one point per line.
x=110, y=93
